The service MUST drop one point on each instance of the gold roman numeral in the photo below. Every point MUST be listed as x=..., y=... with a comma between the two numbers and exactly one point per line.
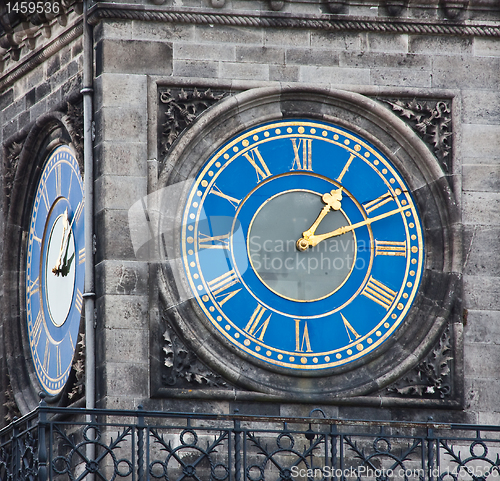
x=390, y=248
x=58, y=175
x=256, y=327
x=205, y=241
x=255, y=158
x=59, y=364
x=77, y=214
x=46, y=356
x=33, y=287
x=37, y=330
x=302, y=336
x=349, y=329
x=304, y=161
x=380, y=293
x=378, y=202
x=346, y=168
x=45, y=195
x=233, y=201
x=81, y=255
x=220, y=284
x=79, y=300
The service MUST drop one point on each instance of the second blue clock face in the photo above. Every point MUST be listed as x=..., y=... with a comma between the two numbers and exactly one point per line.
x=302, y=244
x=55, y=265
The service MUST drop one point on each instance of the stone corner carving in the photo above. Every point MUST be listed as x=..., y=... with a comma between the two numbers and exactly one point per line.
x=433, y=377
x=10, y=405
x=431, y=119
x=74, y=119
x=179, y=108
x=12, y=153
x=77, y=391
x=181, y=366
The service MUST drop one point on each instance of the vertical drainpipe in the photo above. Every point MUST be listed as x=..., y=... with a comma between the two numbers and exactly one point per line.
x=89, y=295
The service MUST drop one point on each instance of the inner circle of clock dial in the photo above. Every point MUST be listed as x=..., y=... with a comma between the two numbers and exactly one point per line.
x=295, y=275
x=60, y=287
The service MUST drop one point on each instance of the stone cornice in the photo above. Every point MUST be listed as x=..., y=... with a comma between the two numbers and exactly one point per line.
x=326, y=22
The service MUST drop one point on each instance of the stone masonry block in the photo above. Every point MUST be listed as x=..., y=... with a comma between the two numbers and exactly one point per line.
x=481, y=208
x=134, y=57
x=387, y=60
x=160, y=31
x=401, y=78
x=196, y=68
x=124, y=312
x=311, y=56
x=482, y=327
x=481, y=361
x=212, y=51
x=122, y=277
x=269, y=55
x=347, y=42
x=284, y=73
x=481, y=178
x=332, y=75
x=127, y=379
x=118, y=191
x=439, y=45
x=480, y=107
x=121, y=124
x=460, y=71
x=119, y=158
x=486, y=47
x=300, y=38
x=113, y=232
x=481, y=292
x=112, y=89
x=383, y=42
x=127, y=345
x=244, y=71
x=480, y=141
x=225, y=34
x=483, y=256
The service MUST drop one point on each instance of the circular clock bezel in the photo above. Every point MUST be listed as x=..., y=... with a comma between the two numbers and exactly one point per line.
x=421, y=171
x=51, y=130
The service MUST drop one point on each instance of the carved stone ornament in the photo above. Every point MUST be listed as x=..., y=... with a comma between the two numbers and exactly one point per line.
x=432, y=121
x=432, y=378
x=182, y=368
x=11, y=162
x=10, y=405
x=179, y=109
x=21, y=30
x=78, y=387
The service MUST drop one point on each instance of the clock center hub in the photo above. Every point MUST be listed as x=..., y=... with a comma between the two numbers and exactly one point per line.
x=303, y=276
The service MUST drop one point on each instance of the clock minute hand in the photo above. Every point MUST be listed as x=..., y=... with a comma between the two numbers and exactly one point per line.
x=316, y=239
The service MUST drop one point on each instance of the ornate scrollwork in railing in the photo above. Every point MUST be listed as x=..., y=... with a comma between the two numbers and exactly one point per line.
x=75, y=444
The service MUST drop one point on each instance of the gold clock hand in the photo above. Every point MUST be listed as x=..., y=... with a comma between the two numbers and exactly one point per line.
x=66, y=233
x=57, y=267
x=332, y=200
x=303, y=244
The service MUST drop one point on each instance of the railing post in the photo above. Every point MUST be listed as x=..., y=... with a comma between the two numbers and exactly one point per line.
x=140, y=443
x=333, y=442
x=237, y=448
x=42, y=442
x=430, y=452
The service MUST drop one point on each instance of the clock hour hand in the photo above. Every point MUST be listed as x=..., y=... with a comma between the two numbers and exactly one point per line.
x=333, y=202
x=59, y=268
x=316, y=239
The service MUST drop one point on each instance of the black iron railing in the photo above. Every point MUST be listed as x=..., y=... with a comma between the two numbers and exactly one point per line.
x=75, y=444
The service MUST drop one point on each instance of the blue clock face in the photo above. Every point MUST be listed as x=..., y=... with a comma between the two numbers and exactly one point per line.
x=55, y=265
x=302, y=245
